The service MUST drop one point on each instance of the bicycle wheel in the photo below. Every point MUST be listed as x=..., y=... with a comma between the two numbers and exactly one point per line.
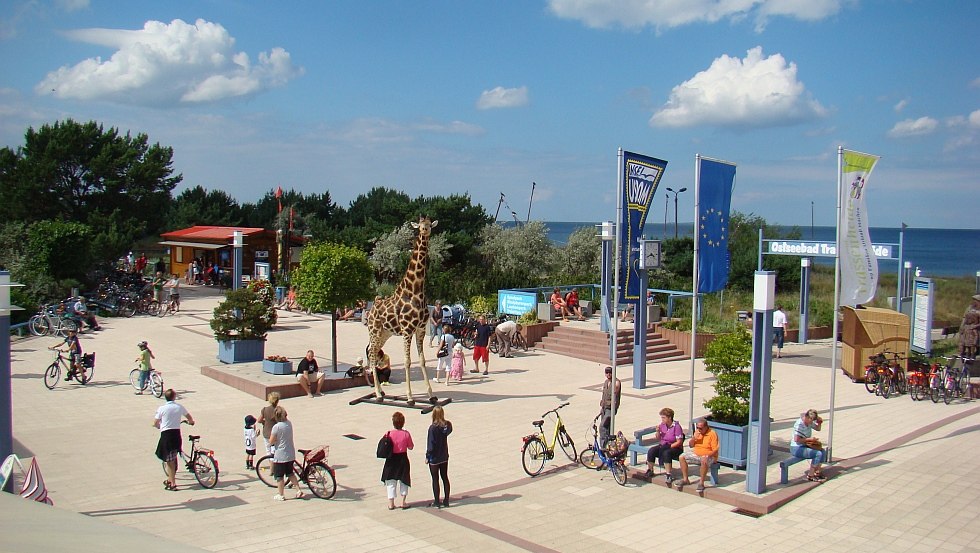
x=83, y=380
x=963, y=383
x=66, y=326
x=884, y=387
x=320, y=479
x=590, y=459
x=566, y=443
x=127, y=309
x=38, y=325
x=935, y=388
x=533, y=456
x=205, y=470
x=949, y=390
x=263, y=469
x=468, y=340
x=871, y=381
x=52, y=375
x=519, y=342
x=618, y=469
x=901, y=383
x=494, y=345
x=156, y=384
x=134, y=379
x=153, y=308
x=916, y=392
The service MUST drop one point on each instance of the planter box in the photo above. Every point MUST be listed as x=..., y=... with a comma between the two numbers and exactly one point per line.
x=682, y=340
x=534, y=333
x=733, y=444
x=241, y=351
x=275, y=367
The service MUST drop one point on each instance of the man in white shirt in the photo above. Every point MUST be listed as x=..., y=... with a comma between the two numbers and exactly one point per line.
x=779, y=325
x=168, y=419
x=83, y=313
x=505, y=336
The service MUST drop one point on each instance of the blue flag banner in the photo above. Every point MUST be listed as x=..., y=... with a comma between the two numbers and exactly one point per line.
x=641, y=175
x=714, y=205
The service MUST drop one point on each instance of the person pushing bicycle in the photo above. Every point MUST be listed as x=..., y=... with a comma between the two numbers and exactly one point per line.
x=145, y=366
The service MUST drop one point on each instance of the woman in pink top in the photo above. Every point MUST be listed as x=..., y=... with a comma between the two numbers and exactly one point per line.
x=397, y=469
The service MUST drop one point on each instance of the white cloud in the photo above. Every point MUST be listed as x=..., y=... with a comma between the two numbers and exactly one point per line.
x=913, y=127
x=636, y=14
x=165, y=64
x=975, y=119
x=975, y=83
x=733, y=92
x=901, y=105
x=501, y=97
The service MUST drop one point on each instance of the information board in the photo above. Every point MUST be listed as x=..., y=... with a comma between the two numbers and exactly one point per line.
x=922, y=302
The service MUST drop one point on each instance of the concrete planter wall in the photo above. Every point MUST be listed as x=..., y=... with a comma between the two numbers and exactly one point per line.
x=682, y=340
x=534, y=333
x=241, y=351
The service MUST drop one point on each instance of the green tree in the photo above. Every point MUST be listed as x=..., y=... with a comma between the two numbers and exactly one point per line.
x=518, y=257
x=579, y=260
x=743, y=247
x=331, y=276
x=727, y=357
x=391, y=253
x=197, y=206
x=84, y=173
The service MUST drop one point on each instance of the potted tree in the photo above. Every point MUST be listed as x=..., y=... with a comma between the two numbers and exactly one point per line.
x=241, y=322
x=728, y=357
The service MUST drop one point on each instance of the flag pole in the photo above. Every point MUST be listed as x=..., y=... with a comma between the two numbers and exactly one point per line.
x=613, y=340
x=836, y=326
x=694, y=284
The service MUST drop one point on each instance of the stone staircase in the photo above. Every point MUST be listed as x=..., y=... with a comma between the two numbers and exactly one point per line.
x=593, y=345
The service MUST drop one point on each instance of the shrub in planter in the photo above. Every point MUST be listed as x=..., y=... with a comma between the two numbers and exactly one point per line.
x=246, y=313
x=728, y=358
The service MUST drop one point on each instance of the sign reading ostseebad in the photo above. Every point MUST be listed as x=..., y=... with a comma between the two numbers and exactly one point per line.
x=806, y=248
x=513, y=302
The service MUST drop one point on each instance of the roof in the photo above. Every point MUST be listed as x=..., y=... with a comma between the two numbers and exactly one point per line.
x=207, y=233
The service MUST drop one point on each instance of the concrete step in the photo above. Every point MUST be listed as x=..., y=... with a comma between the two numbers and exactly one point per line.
x=593, y=345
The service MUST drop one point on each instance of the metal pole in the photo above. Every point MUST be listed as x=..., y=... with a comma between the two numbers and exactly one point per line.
x=901, y=258
x=694, y=289
x=804, y=300
x=615, y=318
x=759, y=268
x=6, y=388
x=675, y=214
x=833, y=362
x=533, y=184
x=236, y=278
x=666, y=205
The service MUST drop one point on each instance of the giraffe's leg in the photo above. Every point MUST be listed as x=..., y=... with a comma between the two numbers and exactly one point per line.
x=419, y=338
x=408, y=370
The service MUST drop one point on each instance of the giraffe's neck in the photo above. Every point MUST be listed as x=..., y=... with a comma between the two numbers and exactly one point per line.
x=413, y=283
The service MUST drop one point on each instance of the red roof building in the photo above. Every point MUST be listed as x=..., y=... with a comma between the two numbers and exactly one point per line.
x=261, y=250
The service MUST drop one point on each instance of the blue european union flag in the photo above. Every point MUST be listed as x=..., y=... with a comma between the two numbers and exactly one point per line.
x=714, y=205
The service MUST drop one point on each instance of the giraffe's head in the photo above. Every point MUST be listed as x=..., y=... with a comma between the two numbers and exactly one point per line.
x=425, y=226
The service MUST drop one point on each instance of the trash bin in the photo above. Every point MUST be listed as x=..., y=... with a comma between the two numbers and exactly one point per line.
x=653, y=314
x=280, y=293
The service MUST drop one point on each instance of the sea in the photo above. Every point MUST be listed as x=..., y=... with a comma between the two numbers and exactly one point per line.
x=935, y=252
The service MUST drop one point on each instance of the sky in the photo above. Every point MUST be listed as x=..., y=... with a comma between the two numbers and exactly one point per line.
x=496, y=99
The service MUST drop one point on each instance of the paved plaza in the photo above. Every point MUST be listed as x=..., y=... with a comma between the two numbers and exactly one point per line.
x=903, y=480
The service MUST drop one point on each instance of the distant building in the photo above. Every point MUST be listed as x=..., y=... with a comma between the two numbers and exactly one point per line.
x=260, y=253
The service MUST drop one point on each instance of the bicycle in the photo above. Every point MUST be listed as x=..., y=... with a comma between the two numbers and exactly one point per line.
x=918, y=379
x=891, y=377
x=200, y=462
x=535, y=450
x=871, y=372
x=172, y=305
x=154, y=381
x=955, y=381
x=517, y=342
x=53, y=373
x=314, y=471
x=596, y=457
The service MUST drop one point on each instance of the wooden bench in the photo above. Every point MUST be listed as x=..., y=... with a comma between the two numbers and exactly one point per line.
x=784, y=468
x=638, y=446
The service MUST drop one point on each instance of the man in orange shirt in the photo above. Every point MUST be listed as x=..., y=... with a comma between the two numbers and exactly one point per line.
x=704, y=452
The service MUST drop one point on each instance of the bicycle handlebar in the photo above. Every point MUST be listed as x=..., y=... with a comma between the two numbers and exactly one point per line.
x=555, y=410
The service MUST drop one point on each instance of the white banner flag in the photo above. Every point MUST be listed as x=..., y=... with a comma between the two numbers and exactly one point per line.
x=858, y=264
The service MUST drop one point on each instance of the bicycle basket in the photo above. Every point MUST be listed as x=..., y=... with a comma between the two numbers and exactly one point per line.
x=317, y=454
x=617, y=447
x=88, y=360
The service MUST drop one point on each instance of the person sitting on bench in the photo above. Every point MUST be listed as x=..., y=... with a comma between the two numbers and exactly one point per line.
x=670, y=446
x=704, y=452
x=308, y=372
x=805, y=446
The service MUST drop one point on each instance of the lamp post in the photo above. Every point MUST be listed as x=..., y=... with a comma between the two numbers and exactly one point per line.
x=607, y=231
x=669, y=189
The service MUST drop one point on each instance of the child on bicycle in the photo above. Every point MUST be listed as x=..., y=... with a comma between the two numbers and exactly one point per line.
x=74, y=349
x=145, y=366
x=251, y=435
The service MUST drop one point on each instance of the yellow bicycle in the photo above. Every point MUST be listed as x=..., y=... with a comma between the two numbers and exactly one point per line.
x=536, y=450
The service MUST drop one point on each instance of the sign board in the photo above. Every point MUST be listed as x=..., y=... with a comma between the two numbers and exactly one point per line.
x=810, y=248
x=261, y=254
x=261, y=271
x=513, y=302
x=923, y=297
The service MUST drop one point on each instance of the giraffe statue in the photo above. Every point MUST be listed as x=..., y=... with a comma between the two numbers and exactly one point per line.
x=404, y=313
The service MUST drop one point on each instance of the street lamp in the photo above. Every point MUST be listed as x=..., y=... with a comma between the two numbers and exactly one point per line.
x=669, y=189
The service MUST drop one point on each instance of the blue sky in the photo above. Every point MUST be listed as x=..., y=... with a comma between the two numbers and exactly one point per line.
x=440, y=97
